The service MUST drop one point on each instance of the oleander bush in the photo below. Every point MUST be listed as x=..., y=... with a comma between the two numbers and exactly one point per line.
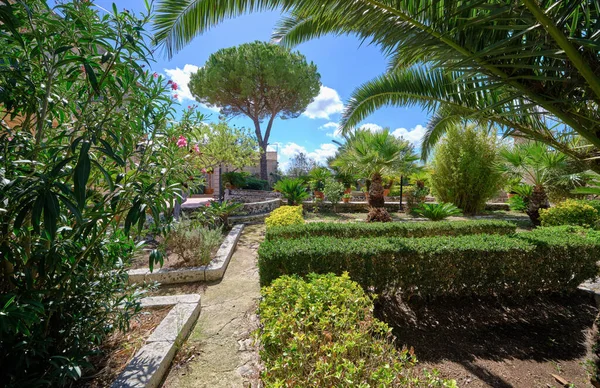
x=548, y=259
x=391, y=229
x=284, y=216
x=570, y=212
x=322, y=333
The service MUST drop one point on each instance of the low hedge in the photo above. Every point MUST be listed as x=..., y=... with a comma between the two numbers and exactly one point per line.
x=322, y=333
x=285, y=216
x=391, y=229
x=546, y=259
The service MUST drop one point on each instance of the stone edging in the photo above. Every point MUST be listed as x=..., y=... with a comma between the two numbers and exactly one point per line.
x=152, y=361
x=213, y=271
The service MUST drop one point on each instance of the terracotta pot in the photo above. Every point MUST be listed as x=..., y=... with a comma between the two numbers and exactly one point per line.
x=510, y=195
x=346, y=200
x=209, y=190
x=386, y=192
x=348, y=190
x=319, y=194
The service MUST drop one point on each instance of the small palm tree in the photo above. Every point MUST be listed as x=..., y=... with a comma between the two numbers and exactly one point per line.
x=374, y=155
x=537, y=165
x=294, y=190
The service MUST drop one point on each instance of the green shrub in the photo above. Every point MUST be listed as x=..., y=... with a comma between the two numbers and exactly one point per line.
x=464, y=169
x=517, y=203
x=253, y=183
x=570, y=212
x=414, y=197
x=234, y=178
x=391, y=229
x=294, y=190
x=322, y=333
x=193, y=243
x=285, y=215
x=547, y=259
x=333, y=191
x=437, y=211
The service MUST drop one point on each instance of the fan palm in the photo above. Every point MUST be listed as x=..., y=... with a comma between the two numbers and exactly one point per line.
x=540, y=167
x=499, y=61
x=374, y=155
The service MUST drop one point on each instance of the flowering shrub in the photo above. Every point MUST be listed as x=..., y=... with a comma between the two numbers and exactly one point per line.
x=570, y=212
x=285, y=215
x=322, y=333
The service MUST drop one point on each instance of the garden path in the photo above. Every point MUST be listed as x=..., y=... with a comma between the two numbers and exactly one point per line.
x=220, y=351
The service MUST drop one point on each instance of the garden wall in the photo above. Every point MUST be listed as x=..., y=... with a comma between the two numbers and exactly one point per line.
x=252, y=208
x=248, y=196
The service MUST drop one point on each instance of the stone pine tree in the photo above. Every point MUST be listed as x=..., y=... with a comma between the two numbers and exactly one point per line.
x=259, y=80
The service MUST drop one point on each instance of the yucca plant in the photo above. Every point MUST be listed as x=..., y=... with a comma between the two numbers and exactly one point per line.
x=437, y=211
x=503, y=62
x=294, y=190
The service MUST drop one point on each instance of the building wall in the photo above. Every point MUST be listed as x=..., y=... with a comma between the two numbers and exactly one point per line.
x=272, y=165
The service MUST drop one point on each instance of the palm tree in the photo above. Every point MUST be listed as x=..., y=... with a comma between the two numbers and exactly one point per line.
x=508, y=63
x=374, y=155
x=535, y=164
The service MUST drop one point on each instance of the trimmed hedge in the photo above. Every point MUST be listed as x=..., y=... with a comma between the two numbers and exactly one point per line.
x=546, y=259
x=391, y=229
x=322, y=333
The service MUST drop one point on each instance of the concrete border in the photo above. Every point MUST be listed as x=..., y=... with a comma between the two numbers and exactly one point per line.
x=151, y=363
x=213, y=271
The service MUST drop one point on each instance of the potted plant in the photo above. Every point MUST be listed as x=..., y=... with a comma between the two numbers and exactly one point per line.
x=346, y=197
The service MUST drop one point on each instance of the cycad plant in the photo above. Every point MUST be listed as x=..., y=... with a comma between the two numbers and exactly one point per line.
x=437, y=211
x=374, y=155
x=537, y=165
x=506, y=62
x=294, y=190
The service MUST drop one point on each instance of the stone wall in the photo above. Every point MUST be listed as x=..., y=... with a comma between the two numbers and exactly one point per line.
x=248, y=196
x=252, y=208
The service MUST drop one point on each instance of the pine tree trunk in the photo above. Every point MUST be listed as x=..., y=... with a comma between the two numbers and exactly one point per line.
x=376, y=198
x=538, y=200
x=263, y=164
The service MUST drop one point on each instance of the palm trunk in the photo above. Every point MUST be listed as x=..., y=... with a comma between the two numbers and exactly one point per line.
x=376, y=198
x=538, y=200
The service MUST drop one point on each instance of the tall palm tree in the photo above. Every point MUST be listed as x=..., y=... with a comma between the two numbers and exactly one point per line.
x=374, y=155
x=537, y=165
x=506, y=62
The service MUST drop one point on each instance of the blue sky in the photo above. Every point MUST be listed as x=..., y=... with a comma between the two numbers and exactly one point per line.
x=342, y=62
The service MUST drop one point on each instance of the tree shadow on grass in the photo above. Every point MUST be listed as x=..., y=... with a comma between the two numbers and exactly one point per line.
x=540, y=328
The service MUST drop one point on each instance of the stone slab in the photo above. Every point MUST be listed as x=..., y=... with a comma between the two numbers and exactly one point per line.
x=216, y=268
x=150, y=364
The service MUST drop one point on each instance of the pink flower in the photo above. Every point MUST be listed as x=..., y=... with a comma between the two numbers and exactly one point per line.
x=155, y=75
x=182, y=142
x=169, y=82
x=175, y=96
x=203, y=171
x=174, y=86
x=196, y=148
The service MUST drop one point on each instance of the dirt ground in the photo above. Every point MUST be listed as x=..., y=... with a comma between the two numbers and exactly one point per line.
x=120, y=347
x=490, y=343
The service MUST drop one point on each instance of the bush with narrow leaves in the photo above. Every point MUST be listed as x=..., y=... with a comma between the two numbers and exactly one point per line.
x=322, y=333
x=284, y=216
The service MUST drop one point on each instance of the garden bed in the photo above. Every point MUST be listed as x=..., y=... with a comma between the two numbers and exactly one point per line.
x=498, y=343
x=212, y=271
x=119, y=348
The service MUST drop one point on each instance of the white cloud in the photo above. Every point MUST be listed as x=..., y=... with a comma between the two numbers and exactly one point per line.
x=414, y=135
x=328, y=102
x=291, y=149
x=182, y=77
x=323, y=152
x=371, y=127
x=330, y=124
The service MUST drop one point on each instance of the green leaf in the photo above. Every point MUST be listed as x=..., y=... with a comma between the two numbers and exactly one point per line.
x=81, y=174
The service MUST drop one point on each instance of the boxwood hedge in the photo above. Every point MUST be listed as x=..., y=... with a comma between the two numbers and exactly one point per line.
x=547, y=259
x=391, y=229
